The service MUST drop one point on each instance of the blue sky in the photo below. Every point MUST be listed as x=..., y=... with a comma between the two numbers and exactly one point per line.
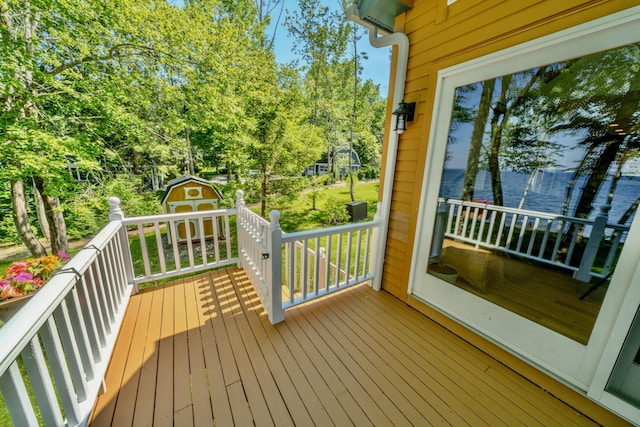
x=375, y=68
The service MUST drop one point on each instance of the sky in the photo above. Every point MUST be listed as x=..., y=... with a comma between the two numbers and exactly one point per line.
x=375, y=68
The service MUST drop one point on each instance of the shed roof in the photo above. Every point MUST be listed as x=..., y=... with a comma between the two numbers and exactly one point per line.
x=186, y=178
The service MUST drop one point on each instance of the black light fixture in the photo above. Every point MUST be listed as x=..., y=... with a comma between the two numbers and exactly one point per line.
x=404, y=114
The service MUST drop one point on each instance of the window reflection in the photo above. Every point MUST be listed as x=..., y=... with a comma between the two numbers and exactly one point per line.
x=539, y=187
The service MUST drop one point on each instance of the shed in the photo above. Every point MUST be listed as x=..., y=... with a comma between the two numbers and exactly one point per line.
x=190, y=194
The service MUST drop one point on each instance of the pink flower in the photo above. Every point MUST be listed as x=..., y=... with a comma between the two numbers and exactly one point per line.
x=29, y=275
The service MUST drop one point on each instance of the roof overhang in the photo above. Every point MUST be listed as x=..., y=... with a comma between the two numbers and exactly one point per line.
x=380, y=14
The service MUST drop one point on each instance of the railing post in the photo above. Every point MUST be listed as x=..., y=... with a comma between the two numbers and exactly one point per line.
x=276, y=313
x=116, y=214
x=239, y=224
x=588, y=257
x=322, y=267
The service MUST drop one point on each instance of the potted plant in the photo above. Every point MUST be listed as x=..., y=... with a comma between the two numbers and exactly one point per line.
x=23, y=279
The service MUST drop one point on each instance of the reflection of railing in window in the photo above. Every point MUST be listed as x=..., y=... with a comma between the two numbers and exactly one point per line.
x=592, y=248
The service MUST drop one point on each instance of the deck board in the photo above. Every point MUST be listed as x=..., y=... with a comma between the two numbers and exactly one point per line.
x=201, y=351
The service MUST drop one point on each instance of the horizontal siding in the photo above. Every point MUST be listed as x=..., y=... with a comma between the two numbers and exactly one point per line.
x=468, y=29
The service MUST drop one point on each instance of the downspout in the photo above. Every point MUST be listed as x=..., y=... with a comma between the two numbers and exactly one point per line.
x=384, y=206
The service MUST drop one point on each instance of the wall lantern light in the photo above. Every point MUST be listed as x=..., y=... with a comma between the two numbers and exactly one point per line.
x=404, y=114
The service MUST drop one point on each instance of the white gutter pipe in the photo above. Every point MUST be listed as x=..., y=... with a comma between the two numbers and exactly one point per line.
x=384, y=206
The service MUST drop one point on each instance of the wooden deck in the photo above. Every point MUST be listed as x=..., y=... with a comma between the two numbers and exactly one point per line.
x=201, y=352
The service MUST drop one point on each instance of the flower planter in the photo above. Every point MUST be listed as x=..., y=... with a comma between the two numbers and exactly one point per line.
x=10, y=306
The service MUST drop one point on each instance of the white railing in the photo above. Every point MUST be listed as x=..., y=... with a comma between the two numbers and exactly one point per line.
x=59, y=345
x=318, y=262
x=259, y=244
x=315, y=263
x=73, y=320
x=204, y=242
x=543, y=237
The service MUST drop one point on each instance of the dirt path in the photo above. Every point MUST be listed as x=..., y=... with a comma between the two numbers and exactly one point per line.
x=16, y=252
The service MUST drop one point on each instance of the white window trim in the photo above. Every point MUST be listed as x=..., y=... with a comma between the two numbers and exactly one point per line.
x=619, y=307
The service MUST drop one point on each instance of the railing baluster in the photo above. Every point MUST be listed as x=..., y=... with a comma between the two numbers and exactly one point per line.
x=347, y=268
x=503, y=219
x=465, y=223
x=98, y=288
x=71, y=352
x=216, y=239
x=358, y=248
x=292, y=270
x=474, y=222
x=339, y=260
x=304, y=259
x=365, y=267
x=545, y=239
x=532, y=239
x=492, y=223
x=523, y=230
x=105, y=286
x=16, y=397
x=43, y=389
x=203, y=240
x=187, y=228
x=316, y=268
x=79, y=328
x=86, y=307
x=228, y=236
x=92, y=295
x=174, y=244
x=458, y=219
x=161, y=257
x=55, y=356
x=483, y=218
x=144, y=250
x=329, y=245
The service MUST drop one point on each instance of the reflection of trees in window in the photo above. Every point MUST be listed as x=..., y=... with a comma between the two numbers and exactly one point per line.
x=588, y=104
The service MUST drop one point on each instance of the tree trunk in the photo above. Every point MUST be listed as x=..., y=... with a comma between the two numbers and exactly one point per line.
x=263, y=196
x=21, y=219
x=57, y=225
x=497, y=123
x=613, y=141
x=40, y=212
x=471, y=171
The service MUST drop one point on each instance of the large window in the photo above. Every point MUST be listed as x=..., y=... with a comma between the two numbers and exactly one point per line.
x=540, y=183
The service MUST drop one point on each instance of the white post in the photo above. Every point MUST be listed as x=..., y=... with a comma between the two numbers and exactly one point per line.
x=116, y=214
x=597, y=231
x=276, y=314
x=239, y=224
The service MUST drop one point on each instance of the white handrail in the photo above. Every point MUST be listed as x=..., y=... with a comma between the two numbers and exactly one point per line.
x=534, y=235
x=202, y=238
x=319, y=262
x=76, y=316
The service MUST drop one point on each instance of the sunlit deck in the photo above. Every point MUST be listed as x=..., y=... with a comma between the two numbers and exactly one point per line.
x=201, y=351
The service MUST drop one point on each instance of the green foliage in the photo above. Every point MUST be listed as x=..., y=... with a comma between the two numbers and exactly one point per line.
x=8, y=233
x=88, y=211
x=335, y=212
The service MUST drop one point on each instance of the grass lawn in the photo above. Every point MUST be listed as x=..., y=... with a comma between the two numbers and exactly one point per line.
x=299, y=215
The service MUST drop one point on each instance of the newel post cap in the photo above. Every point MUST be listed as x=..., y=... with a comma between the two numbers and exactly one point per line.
x=115, y=212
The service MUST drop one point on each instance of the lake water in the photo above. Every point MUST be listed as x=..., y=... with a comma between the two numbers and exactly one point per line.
x=547, y=192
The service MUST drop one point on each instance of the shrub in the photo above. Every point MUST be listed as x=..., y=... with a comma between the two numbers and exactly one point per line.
x=335, y=212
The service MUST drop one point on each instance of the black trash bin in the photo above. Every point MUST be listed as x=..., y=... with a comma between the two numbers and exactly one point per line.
x=357, y=210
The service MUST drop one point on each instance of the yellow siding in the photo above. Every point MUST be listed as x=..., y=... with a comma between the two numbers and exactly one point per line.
x=441, y=36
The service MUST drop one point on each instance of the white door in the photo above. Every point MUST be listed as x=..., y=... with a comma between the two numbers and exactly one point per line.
x=526, y=146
